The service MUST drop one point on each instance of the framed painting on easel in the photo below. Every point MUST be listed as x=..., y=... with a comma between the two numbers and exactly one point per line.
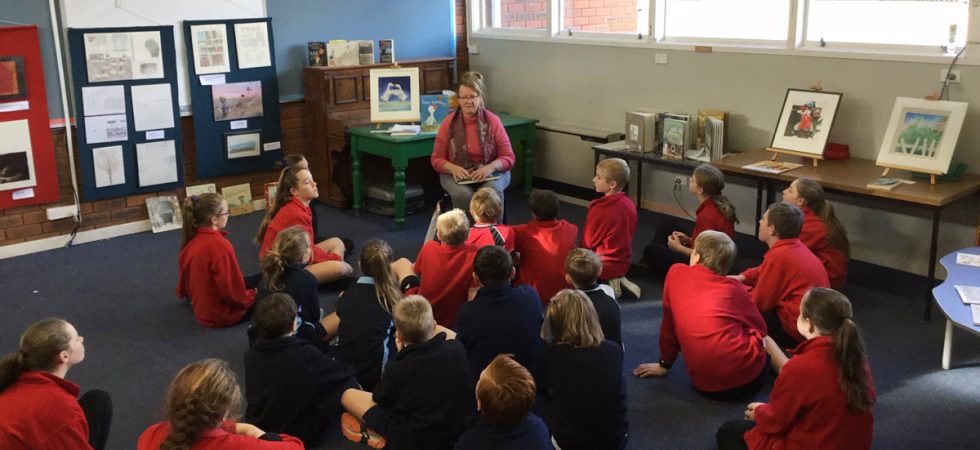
x=395, y=95
x=805, y=123
x=921, y=135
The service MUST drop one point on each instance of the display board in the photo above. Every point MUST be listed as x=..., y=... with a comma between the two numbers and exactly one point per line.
x=128, y=124
x=234, y=96
x=28, y=173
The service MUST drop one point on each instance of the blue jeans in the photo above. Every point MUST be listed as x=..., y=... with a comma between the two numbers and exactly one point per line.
x=462, y=193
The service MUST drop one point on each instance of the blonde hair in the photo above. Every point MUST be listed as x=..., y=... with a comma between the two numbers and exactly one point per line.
x=201, y=395
x=376, y=263
x=453, y=227
x=812, y=194
x=583, y=266
x=197, y=212
x=485, y=205
x=413, y=319
x=712, y=181
x=474, y=81
x=717, y=251
x=617, y=170
x=289, y=247
x=573, y=319
x=39, y=348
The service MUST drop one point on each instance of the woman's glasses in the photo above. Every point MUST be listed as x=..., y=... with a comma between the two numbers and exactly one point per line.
x=471, y=98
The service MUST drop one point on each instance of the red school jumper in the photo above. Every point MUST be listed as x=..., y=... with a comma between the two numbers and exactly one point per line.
x=814, y=236
x=712, y=319
x=440, y=149
x=446, y=274
x=788, y=271
x=223, y=438
x=480, y=235
x=212, y=280
x=544, y=245
x=708, y=217
x=294, y=212
x=807, y=408
x=40, y=411
x=609, y=228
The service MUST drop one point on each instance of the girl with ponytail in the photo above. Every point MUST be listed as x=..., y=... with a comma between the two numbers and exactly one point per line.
x=292, y=207
x=715, y=212
x=283, y=270
x=366, y=335
x=823, y=397
x=38, y=406
x=822, y=232
x=209, y=275
x=200, y=400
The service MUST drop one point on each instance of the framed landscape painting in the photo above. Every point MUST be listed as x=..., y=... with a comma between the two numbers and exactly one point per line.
x=922, y=135
x=395, y=95
x=805, y=121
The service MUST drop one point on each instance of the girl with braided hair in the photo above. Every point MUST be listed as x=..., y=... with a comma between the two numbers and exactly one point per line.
x=209, y=275
x=283, y=270
x=38, y=406
x=823, y=397
x=200, y=401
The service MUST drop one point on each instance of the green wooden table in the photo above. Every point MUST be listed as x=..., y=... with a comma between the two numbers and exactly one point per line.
x=400, y=149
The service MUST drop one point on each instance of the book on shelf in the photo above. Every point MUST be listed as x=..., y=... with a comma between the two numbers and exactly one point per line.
x=774, y=167
x=317, y=52
x=365, y=52
x=386, y=51
x=676, y=135
x=885, y=183
x=434, y=109
x=341, y=53
x=714, y=137
x=492, y=177
x=701, y=133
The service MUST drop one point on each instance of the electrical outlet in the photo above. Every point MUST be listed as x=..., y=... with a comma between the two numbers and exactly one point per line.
x=660, y=58
x=953, y=76
x=61, y=212
x=680, y=180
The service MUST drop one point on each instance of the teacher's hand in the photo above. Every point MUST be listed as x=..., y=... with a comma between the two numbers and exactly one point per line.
x=458, y=172
x=481, y=173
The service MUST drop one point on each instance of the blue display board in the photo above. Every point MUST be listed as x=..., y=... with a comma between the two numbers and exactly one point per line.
x=116, y=159
x=228, y=121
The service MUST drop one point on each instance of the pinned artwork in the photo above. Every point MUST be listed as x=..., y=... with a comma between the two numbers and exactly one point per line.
x=210, y=47
x=236, y=100
x=109, y=166
x=243, y=145
x=123, y=56
x=13, y=86
x=16, y=156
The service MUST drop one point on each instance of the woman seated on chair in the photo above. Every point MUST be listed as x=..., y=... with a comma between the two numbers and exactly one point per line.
x=471, y=146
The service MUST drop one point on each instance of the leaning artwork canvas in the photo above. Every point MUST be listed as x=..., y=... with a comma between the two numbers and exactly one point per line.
x=164, y=213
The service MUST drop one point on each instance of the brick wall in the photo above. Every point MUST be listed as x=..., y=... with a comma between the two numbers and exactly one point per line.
x=462, y=29
x=30, y=223
x=580, y=15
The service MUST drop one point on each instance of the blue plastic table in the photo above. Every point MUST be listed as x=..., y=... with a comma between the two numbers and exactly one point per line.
x=957, y=313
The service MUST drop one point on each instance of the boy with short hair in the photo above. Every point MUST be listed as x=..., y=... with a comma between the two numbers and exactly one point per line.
x=611, y=223
x=425, y=393
x=504, y=395
x=290, y=385
x=582, y=269
x=711, y=318
x=444, y=267
x=486, y=211
x=787, y=272
x=501, y=318
x=543, y=243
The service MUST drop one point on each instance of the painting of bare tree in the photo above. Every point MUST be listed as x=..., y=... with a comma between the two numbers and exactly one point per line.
x=109, y=168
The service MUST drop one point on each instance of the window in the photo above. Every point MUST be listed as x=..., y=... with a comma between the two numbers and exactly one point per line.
x=518, y=14
x=751, y=20
x=894, y=22
x=605, y=16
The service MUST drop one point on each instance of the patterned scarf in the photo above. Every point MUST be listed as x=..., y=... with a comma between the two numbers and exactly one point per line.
x=458, y=151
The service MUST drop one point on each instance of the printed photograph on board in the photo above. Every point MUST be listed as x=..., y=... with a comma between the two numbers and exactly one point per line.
x=237, y=100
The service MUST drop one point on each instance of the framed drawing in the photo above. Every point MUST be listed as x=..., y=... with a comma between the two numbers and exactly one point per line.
x=805, y=121
x=233, y=101
x=243, y=145
x=12, y=83
x=921, y=135
x=395, y=95
x=164, y=213
x=239, y=198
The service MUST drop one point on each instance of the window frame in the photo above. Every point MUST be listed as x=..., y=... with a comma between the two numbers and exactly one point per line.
x=793, y=45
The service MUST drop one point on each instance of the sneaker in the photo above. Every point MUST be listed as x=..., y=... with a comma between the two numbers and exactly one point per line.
x=617, y=287
x=630, y=287
x=348, y=245
x=355, y=431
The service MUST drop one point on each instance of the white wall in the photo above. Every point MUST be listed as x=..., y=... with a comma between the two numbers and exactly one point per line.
x=593, y=87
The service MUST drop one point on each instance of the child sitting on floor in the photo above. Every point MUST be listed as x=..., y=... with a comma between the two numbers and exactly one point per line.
x=444, y=267
x=543, y=244
x=582, y=269
x=208, y=271
x=611, y=223
x=788, y=270
x=822, y=233
x=504, y=396
x=485, y=209
x=290, y=385
x=425, y=393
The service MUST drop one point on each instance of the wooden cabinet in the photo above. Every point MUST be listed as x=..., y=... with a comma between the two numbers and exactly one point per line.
x=337, y=98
